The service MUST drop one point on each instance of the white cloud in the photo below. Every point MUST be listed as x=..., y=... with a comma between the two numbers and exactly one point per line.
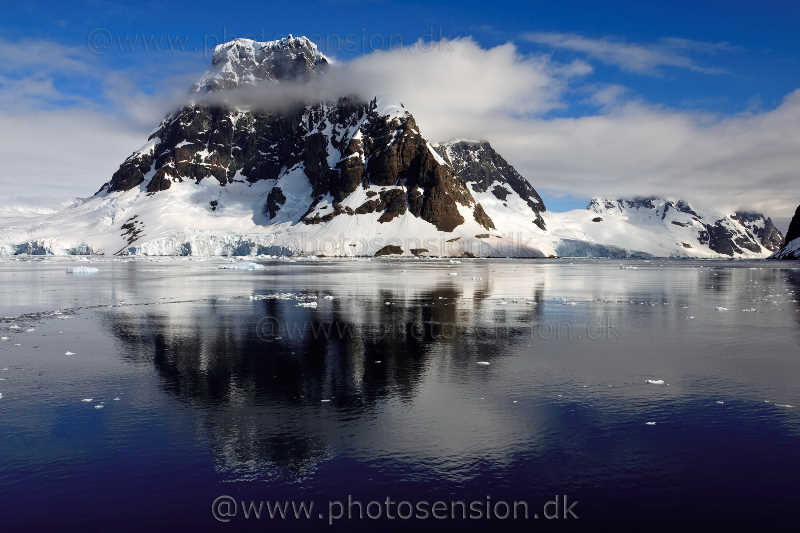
x=640, y=58
x=749, y=161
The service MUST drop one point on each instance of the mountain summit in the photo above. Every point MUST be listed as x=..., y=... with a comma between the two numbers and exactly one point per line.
x=244, y=62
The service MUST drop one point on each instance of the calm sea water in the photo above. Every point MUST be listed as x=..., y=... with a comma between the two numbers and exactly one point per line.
x=652, y=390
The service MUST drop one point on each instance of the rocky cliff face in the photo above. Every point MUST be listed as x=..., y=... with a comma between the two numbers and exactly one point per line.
x=735, y=235
x=483, y=170
x=791, y=245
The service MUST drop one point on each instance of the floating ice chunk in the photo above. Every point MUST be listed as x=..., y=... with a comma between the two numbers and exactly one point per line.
x=325, y=401
x=3, y=338
x=692, y=318
x=69, y=353
x=99, y=406
x=312, y=305
x=655, y=381
x=387, y=303
x=720, y=402
x=515, y=401
x=30, y=330
x=14, y=326
x=242, y=266
x=650, y=423
x=722, y=309
x=483, y=363
x=87, y=400
x=82, y=270
x=116, y=398
x=378, y=362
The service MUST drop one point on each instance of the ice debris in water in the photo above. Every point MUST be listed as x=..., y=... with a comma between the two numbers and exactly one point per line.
x=651, y=423
x=325, y=401
x=3, y=338
x=655, y=381
x=722, y=308
x=69, y=353
x=99, y=406
x=720, y=402
x=387, y=303
x=87, y=400
x=30, y=330
x=242, y=266
x=82, y=270
x=483, y=363
x=312, y=305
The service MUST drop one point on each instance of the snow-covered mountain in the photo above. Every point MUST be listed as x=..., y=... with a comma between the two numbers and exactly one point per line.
x=791, y=245
x=663, y=228
x=344, y=177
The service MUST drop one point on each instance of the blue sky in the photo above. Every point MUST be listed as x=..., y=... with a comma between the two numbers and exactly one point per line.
x=695, y=62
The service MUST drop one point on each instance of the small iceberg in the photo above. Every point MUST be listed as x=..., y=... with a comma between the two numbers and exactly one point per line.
x=69, y=353
x=722, y=309
x=99, y=406
x=87, y=400
x=655, y=381
x=650, y=423
x=483, y=363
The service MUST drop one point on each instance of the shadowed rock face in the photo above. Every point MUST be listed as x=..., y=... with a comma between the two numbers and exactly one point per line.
x=791, y=246
x=794, y=228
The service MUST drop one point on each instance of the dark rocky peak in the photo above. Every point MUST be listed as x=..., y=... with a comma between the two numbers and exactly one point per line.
x=762, y=228
x=244, y=62
x=478, y=165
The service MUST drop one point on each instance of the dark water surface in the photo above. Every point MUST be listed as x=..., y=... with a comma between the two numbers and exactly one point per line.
x=230, y=382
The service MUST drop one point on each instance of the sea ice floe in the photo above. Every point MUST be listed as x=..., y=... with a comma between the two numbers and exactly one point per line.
x=69, y=353
x=650, y=423
x=242, y=266
x=722, y=309
x=3, y=338
x=99, y=406
x=325, y=401
x=87, y=400
x=82, y=270
x=116, y=399
x=655, y=381
x=483, y=363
